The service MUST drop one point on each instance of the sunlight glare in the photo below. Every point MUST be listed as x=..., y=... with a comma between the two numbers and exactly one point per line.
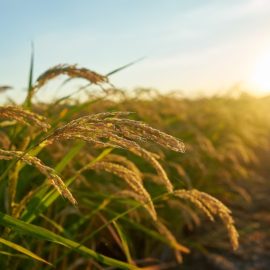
x=261, y=74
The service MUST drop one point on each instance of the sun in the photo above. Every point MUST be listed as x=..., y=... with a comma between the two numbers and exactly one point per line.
x=261, y=74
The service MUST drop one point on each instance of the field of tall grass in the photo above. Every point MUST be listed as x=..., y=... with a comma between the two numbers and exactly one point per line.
x=131, y=180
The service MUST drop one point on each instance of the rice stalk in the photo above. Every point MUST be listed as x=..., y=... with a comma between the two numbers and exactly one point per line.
x=19, y=207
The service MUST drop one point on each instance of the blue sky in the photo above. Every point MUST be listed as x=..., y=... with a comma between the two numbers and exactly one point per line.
x=196, y=46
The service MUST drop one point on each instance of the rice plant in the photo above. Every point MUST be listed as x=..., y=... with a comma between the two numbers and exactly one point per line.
x=86, y=184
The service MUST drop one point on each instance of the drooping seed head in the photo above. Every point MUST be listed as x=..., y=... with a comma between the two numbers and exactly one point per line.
x=23, y=116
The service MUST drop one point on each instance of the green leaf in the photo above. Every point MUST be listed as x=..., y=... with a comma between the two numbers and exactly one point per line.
x=69, y=156
x=149, y=232
x=124, y=241
x=22, y=250
x=37, y=231
x=27, y=102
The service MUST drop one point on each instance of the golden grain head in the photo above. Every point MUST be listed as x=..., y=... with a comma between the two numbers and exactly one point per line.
x=71, y=71
x=110, y=129
x=121, y=160
x=211, y=207
x=131, y=178
x=218, y=208
x=23, y=116
x=51, y=175
x=186, y=195
x=131, y=127
x=114, y=123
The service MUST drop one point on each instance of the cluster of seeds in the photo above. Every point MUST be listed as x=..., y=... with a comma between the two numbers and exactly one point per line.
x=23, y=116
x=112, y=130
x=211, y=207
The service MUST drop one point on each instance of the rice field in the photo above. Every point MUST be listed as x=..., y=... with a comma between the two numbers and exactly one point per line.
x=132, y=180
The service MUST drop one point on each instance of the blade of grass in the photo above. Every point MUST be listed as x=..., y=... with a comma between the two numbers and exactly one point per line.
x=124, y=241
x=125, y=66
x=27, y=102
x=84, y=218
x=14, y=255
x=149, y=232
x=58, y=227
x=22, y=250
x=37, y=231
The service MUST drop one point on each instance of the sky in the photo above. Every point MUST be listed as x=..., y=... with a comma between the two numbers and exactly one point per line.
x=193, y=46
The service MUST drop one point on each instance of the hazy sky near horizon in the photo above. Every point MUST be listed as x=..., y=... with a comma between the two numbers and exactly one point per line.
x=193, y=45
